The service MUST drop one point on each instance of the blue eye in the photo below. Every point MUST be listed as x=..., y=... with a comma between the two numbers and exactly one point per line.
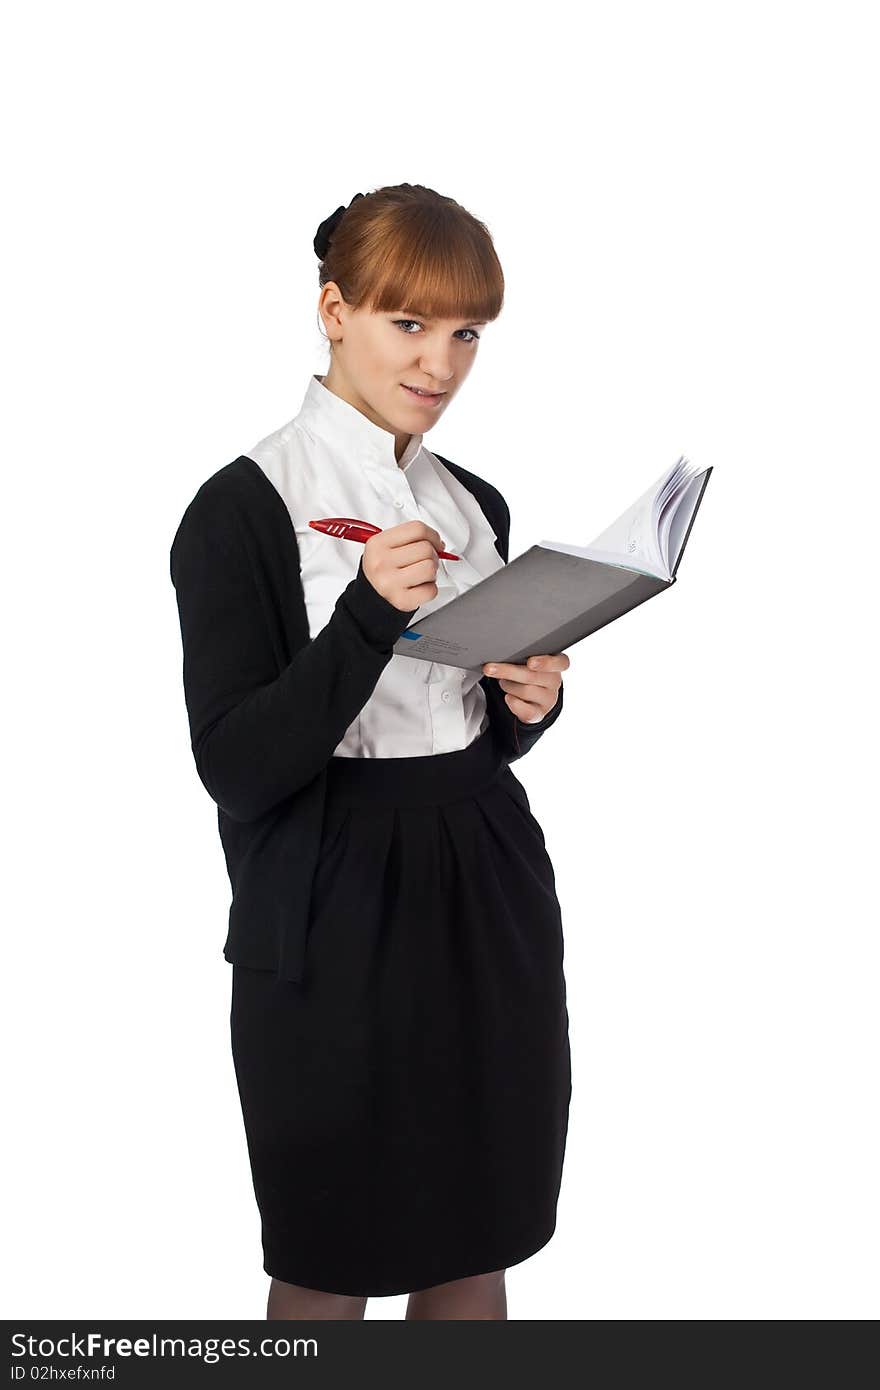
x=473, y=338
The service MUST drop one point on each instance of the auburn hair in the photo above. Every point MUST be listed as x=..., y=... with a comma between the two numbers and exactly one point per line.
x=408, y=247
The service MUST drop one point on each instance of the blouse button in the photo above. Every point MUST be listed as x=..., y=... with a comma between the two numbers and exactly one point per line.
x=398, y=501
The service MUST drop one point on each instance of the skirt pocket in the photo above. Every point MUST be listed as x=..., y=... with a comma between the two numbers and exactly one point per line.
x=518, y=795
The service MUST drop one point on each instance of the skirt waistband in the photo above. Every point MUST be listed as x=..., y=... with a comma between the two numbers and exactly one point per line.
x=421, y=781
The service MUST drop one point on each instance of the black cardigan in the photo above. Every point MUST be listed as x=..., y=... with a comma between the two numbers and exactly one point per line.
x=267, y=705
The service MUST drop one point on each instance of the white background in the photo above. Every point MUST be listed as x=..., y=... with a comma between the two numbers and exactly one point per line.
x=682, y=198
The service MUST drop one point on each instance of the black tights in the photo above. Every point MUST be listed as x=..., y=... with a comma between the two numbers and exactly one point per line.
x=484, y=1296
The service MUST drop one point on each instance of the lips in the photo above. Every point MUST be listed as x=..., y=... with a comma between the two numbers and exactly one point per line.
x=421, y=390
x=432, y=402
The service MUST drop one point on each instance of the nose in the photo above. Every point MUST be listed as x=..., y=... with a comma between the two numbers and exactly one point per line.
x=436, y=366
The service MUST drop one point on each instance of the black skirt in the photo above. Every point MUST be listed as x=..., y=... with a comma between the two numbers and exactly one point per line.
x=406, y=1104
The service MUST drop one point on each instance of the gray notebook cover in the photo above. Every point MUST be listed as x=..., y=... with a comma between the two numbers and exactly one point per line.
x=543, y=601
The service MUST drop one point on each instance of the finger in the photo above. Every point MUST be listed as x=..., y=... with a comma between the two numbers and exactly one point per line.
x=533, y=693
x=527, y=684
x=409, y=531
x=552, y=661
x=525, y=710
x=506, y=670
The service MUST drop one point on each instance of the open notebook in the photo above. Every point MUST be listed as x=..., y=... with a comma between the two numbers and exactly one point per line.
x=554, y=594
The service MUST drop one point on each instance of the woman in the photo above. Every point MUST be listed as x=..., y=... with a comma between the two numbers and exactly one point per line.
x=399, y=1022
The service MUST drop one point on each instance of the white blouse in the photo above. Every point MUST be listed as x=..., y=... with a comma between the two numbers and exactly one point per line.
x=330, y=460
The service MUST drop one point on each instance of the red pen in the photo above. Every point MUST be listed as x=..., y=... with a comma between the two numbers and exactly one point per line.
x=347, y=528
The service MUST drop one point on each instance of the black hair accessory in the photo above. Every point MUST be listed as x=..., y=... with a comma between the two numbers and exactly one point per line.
x=321, y=242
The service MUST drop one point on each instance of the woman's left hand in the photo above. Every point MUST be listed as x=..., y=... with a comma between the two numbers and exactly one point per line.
x=532, y=690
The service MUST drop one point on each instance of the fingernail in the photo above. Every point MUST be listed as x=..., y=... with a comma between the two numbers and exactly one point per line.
x=490, y=670
x=534, y=663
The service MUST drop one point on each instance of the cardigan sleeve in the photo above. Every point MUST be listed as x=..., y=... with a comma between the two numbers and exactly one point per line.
x=257, y=736
x=517, y=737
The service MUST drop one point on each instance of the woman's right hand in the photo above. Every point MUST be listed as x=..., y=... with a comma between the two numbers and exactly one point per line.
x=401, y=564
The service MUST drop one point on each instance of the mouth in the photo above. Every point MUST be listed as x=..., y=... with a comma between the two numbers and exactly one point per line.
x=424, y=397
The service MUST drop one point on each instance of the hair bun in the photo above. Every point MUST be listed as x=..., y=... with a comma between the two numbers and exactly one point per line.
x=321, y=242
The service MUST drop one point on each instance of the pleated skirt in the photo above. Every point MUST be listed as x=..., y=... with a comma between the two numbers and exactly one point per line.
x=406, y=1104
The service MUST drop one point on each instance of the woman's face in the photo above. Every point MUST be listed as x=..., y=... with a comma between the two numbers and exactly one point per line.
x=377, y=355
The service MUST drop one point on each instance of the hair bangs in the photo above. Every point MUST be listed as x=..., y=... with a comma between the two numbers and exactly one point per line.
x=438, y=280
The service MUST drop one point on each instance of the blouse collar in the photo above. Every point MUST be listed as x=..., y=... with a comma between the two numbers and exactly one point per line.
x=342, y=425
